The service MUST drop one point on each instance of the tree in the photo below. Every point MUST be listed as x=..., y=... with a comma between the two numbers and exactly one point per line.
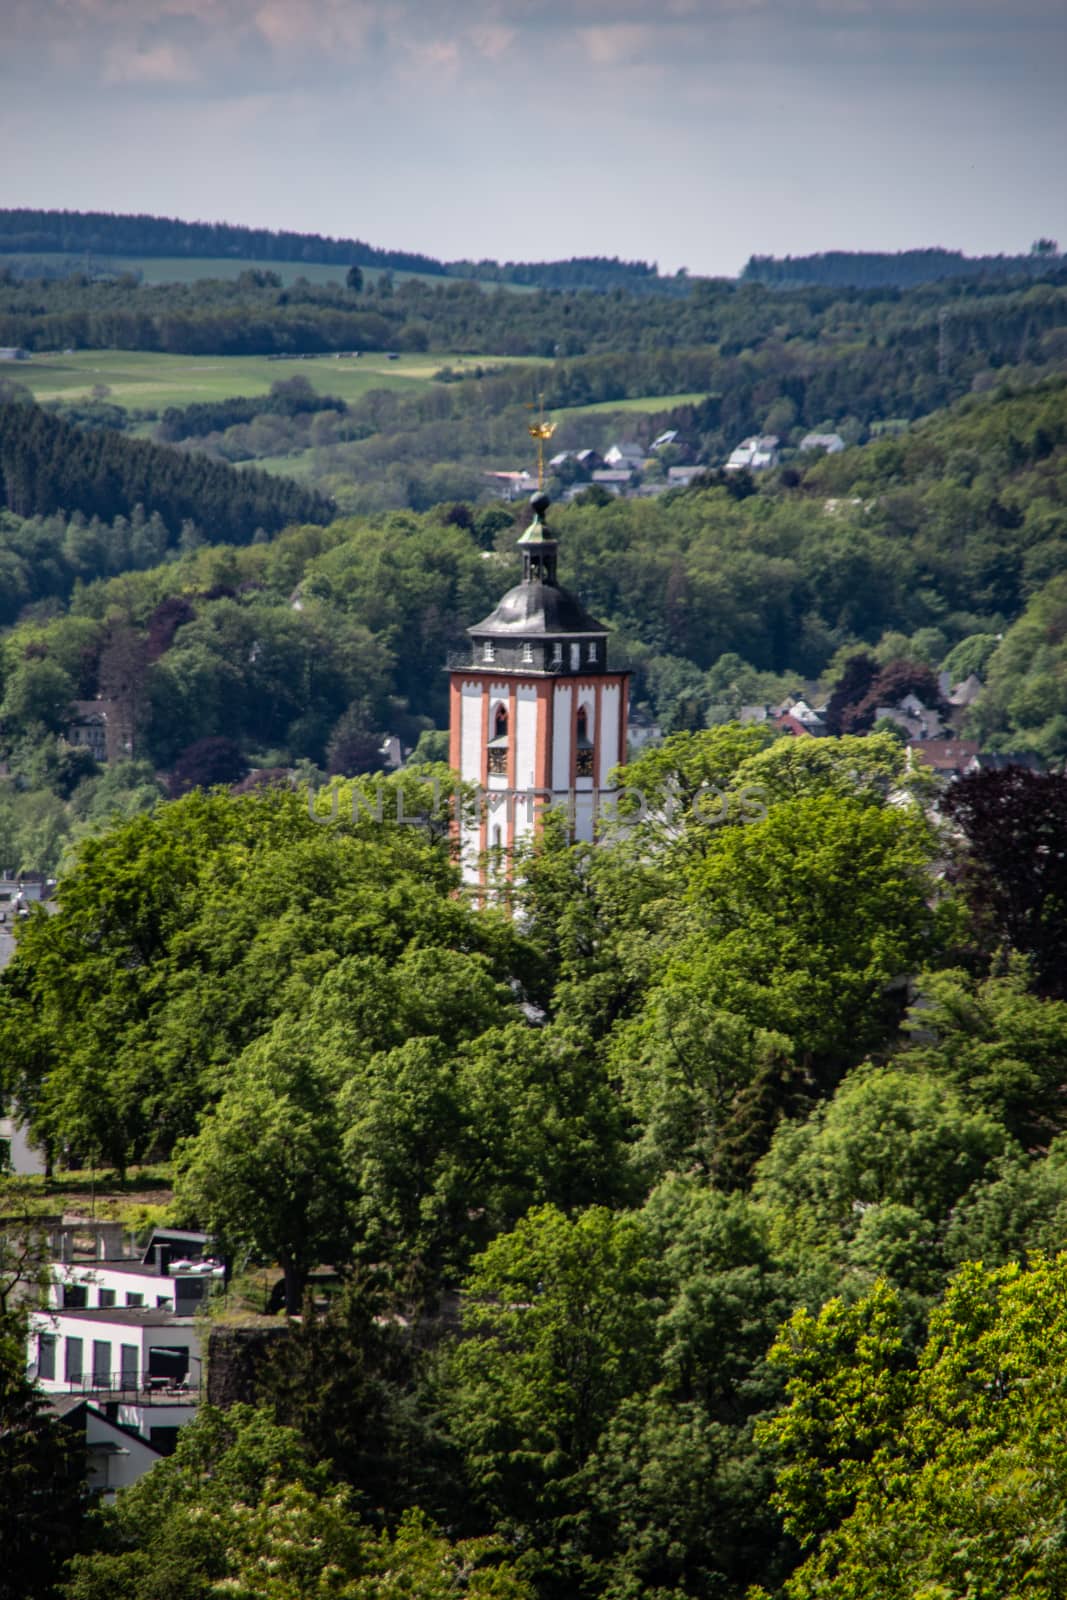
x=38, y=692
x=351, y=1383
x=239, y=1509
x=206, y=763
x=354, y=279
x=807, y=922
x=43, y=1498
x=264, y=1174
x=888, y=1135
x=945, y=1480
x=558, y=1322
x=1003, y=1048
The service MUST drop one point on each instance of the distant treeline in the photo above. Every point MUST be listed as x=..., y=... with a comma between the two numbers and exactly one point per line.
x=24, y=231
x=902, y=269
x=254, y=315
x=47, y=465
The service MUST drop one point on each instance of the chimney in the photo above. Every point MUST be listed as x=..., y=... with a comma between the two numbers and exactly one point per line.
x=162, y=1255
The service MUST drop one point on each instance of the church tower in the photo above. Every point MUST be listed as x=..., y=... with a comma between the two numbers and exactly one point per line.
x=537, y=719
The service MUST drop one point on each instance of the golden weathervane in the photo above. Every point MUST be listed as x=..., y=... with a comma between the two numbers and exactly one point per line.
x=541, y=431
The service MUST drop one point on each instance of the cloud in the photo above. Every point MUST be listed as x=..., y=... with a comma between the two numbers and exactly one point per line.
x=161, y=63
x=319, y=26
x=617, y=43
x=492, y=39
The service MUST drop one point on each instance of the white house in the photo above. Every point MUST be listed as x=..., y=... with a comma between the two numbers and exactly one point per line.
x=754, y=454
x=134, y=1354
x=116, y=1455
x=830, y=442
x=627, y=456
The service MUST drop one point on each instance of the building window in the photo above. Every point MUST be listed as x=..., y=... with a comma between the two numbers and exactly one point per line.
x=498, y=762
x=135, y=1299
x=128, y=1360
x=488, y=652
x=107, y=1298
x=101, y=1364
x=164, y=1302
x=73, y=1357
x=500, y=723
x=557, y=654
x=583, y=723
x=527, y=653
x=46, y=1357
x=591, y=653
x=583, y=767
x=75, y=1297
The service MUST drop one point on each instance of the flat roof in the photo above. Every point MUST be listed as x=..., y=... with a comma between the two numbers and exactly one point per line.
x=127, y=1316
x=138, y=1268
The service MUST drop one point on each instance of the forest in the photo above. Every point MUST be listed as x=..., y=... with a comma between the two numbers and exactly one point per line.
x=902, y=268
x=695, y=1229
x=89, y=233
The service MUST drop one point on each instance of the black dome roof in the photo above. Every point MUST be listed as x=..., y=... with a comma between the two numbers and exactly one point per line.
x=538, y=608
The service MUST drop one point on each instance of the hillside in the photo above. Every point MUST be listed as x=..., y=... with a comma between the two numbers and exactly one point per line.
x=95, y=233
x=909, y=547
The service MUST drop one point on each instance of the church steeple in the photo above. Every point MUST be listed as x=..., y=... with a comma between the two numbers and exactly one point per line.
x=537, y=717
x=539, y=626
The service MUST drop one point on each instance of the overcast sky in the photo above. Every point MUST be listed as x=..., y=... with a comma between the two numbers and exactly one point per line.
x=689, y=132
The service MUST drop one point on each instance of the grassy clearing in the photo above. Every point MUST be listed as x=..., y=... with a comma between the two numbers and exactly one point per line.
x=644, y=403
x=186, y=269
x=141, y=379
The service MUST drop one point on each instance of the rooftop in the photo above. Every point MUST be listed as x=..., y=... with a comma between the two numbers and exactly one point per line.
x=127, y=1316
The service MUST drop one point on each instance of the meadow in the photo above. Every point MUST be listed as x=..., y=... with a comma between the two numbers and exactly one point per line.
x=145, y=380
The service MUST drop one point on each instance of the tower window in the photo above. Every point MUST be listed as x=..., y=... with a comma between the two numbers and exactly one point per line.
x=488, y=652
x=498, y=743
x=557, y=654
x=591, y=653
x=584, y=754
x=527, y=652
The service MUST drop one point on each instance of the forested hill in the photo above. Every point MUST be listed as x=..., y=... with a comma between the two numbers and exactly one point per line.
x=47, y=465
x=33, y=232
x=902, y=269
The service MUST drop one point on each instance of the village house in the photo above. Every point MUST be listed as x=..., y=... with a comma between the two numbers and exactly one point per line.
x=754, y=454
x=830, y=442
x=115, y=1346
x=627, y=455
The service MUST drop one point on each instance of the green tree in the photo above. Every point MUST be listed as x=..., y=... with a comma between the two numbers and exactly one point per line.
x=945, y=1480
x=558, y=1319
x=264, y=1174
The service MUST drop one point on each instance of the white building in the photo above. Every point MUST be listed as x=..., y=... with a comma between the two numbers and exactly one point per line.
x=116, y=1347
x=830, y=442
x=754, y=454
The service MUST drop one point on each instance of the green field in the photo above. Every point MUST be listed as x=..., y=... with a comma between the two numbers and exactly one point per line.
x=141, y=379
x=643, y=403
x=188, y=269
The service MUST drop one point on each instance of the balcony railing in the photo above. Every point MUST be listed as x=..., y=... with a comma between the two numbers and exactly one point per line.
x=135, y=1391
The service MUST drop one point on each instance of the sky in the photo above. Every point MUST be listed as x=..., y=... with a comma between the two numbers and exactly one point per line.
x=692, y=133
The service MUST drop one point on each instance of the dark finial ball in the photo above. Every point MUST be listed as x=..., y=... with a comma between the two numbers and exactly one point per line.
x=540, y=502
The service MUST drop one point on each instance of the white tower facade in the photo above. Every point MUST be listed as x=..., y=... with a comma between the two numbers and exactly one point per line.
x=537, y=718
